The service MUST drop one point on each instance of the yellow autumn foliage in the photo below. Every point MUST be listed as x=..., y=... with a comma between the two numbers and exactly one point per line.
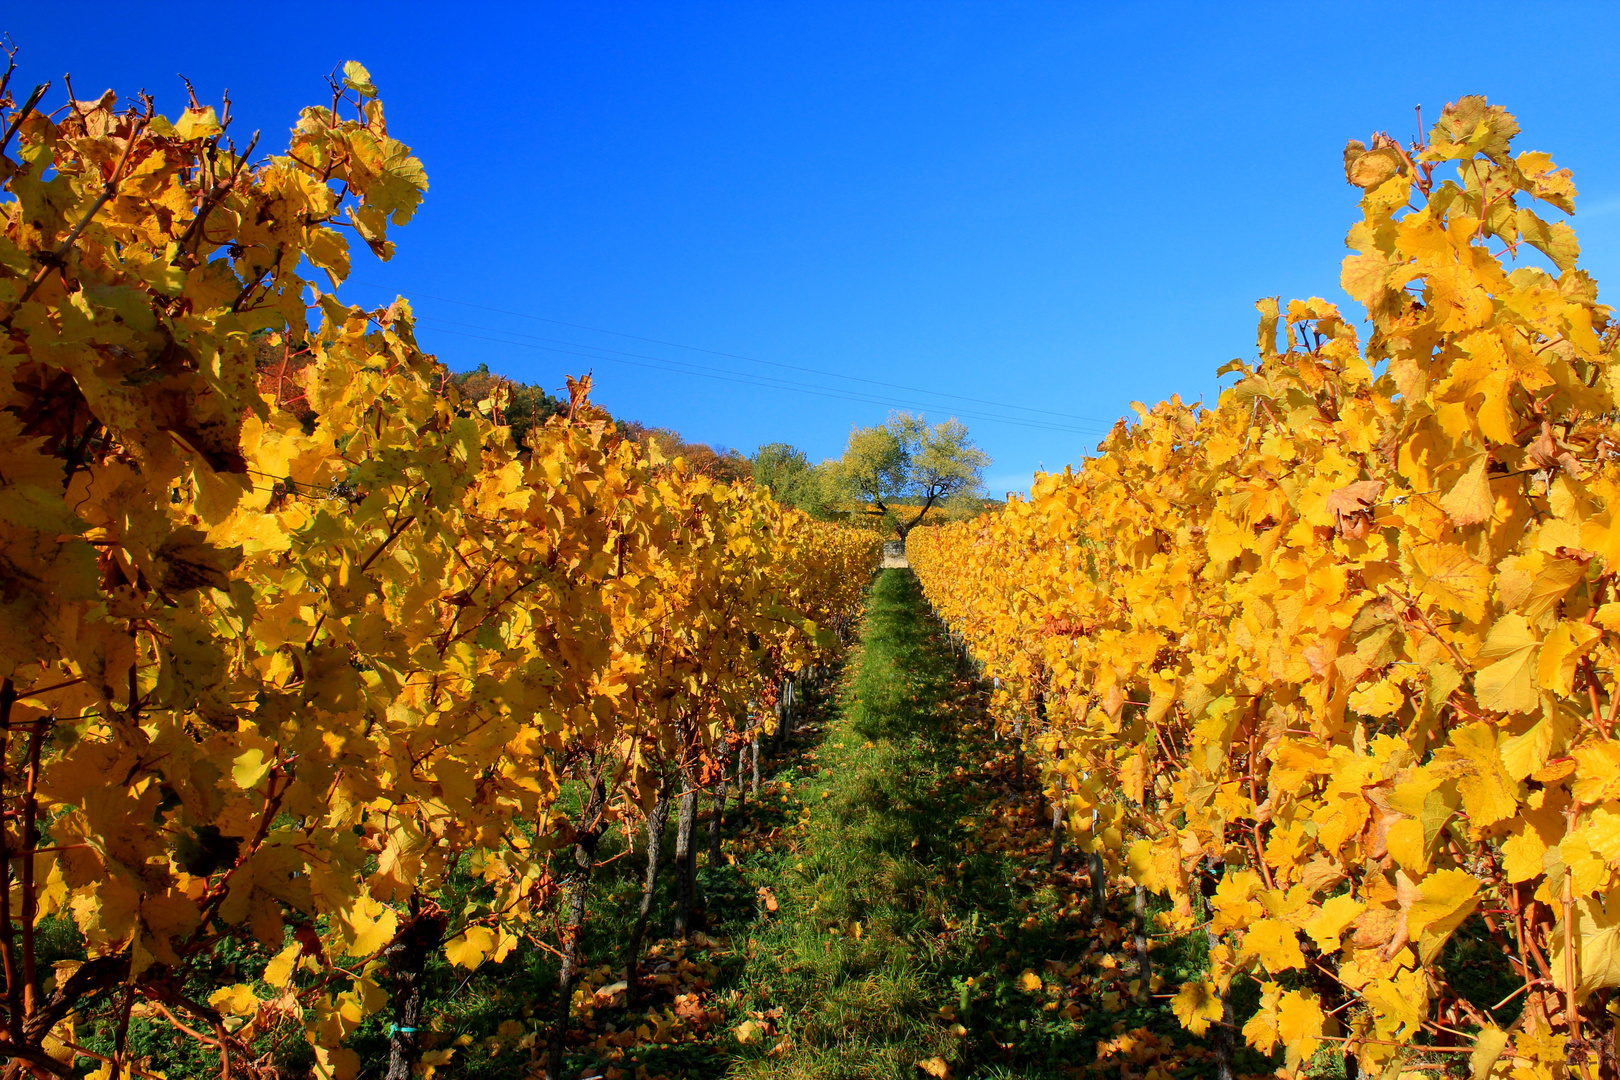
x=1347, y=639
x=288, y=629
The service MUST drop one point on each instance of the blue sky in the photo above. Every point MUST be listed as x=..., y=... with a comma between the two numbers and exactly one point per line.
x=1057, y=209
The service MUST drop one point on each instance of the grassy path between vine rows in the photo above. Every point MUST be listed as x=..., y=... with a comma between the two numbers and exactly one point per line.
x=920, y=929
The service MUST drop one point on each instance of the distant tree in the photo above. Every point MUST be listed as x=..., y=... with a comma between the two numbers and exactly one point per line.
x=792, y=479
x=526, y=408
x=903, y=468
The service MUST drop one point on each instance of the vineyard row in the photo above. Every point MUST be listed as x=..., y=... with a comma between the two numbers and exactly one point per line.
x=1331, y=665
x=291, y=635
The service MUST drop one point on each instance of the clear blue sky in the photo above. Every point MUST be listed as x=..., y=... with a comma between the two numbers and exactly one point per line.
x=1059, y=207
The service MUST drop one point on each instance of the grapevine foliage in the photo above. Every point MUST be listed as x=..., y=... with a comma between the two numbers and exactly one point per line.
x=284, y=644
x=1341, y=651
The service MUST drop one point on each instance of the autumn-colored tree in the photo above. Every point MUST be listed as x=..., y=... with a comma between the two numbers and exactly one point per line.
x=523, y=406
x=724, y=464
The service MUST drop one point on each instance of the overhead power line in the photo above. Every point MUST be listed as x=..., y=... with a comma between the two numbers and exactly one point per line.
x=683, y=367
x=688, y=367
x=1105, y=423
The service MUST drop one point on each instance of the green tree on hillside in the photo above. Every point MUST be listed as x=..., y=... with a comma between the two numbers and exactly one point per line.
x=905, y=467
x=792, y=479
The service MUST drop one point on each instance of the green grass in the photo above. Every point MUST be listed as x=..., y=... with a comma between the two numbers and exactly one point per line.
x=948, y=922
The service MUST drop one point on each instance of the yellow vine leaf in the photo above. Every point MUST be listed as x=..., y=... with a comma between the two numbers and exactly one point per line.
x=279, y=970
x=1471, y=756
x=1234, y=901
x=1447, y=897
x=238, y=1000
x=1469, y=502
x=1261, y=1029
x=1336, y=913
x=358, y=79
x=367, y=926
x=1507, y=681
x=1299, y=1025
x=1197, y=1005
x=250, y=767
x=1488, y=1047
x=1561, y=651
x=1597, y=946
x=1453, y=578
x=338, y=1063
x=1275, y=943
x=471, y=948
x=1382, y=698
x=1597, y=772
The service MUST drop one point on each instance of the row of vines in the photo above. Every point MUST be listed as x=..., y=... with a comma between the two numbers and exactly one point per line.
x=1334, y=664
x=285, y=645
